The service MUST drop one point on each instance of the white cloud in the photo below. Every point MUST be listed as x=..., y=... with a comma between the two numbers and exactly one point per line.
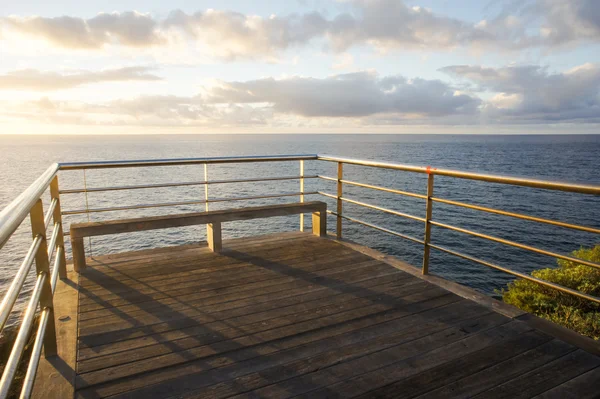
x=33, y=79
x=382, y=24
x=348, y=95
x=533, y=94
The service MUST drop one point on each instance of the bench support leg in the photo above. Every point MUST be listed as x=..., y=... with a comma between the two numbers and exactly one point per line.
x=78, y=254
x=319, y=224
x=213, y=236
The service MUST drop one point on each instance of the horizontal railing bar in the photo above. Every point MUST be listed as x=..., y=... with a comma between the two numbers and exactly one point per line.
x=56, y=267
x=182, y=161
x=516, y=215
x=17, y=284
x=378, y=208
x=386, y=210
x=36, y=354
x=50, y=212
x=374, y=226
x=364, y=185
x=22, y=337
x=373, y=187
x=53, y=238
x=167, y=204
x=327, y=195
x=517, y=181
x=517, y=274
x=12, y=216
x=183, y=184
x=515, y=244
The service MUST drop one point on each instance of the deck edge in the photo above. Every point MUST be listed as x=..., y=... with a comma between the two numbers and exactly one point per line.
x=543, y=325
x=55, y=377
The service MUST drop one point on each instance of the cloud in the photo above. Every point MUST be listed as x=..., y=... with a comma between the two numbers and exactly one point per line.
x=293, y=100
x=512, y=95
x=382, y=24
x=162, y=111
x=348, y=95
x=33, y=79
x=128, y=29
x=533, y=94
x=546, y=23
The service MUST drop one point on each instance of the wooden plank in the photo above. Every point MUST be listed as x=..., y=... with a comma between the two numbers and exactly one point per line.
x=79, y=230
x=195, y=376
x=461, y=367
x=232, y=300
x=583, y=387
x=356, y=377
x=228, y=326
x=501, y=372
x=222, y=311
x=357, y=343
x=465, y=292
x=145, y=316
x=99, y=339
x=544, y=378
x=98, y=280
x=245, y=290
x=242, y=323
x=55, y=376
x=298, y=315
x=200, y=316
x=161, y=337
x=137, y=266
x=312, y=270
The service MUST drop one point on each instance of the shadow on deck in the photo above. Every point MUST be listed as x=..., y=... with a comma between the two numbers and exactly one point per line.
x=296, y=315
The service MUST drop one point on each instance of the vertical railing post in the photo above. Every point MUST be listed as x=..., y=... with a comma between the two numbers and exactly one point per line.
x=428, y=211
x=206, y=187
x=42, y=264
x=209, y=230
x=340, y=172
x=302, y=192
x=87, y=209
x=57, y=218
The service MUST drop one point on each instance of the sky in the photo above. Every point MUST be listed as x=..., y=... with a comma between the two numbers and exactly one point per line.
x=299, y=66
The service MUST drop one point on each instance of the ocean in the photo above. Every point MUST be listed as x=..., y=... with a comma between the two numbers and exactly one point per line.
x=573, y=158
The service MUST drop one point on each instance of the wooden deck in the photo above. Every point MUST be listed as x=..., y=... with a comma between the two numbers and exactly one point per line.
x=292, y=315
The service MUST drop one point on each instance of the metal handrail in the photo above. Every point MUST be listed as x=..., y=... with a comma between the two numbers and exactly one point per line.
x=43, y=250
x=29, y=203
x=516, y=181
x=183, y=184
x=373, y=187
x=183, y=161
x=12, y=216
x=431, y=172
x=516, y=215
x=167, y=204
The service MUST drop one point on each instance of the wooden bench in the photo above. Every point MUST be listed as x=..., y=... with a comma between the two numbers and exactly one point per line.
x=212, y=219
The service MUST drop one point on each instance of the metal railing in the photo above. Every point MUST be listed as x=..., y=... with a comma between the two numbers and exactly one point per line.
x=429, y=222
x=44, y=250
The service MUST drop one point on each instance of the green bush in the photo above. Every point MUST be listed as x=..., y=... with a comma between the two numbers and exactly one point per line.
x=570, y=311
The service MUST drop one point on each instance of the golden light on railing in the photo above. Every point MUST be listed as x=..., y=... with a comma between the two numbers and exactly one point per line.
x=43, y=251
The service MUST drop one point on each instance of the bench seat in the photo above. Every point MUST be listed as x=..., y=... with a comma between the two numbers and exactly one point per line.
x=212, y=219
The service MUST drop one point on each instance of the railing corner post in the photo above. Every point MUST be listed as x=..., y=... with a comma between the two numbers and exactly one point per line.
x=42, y=264
x=428, y=212
x=340, y=176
